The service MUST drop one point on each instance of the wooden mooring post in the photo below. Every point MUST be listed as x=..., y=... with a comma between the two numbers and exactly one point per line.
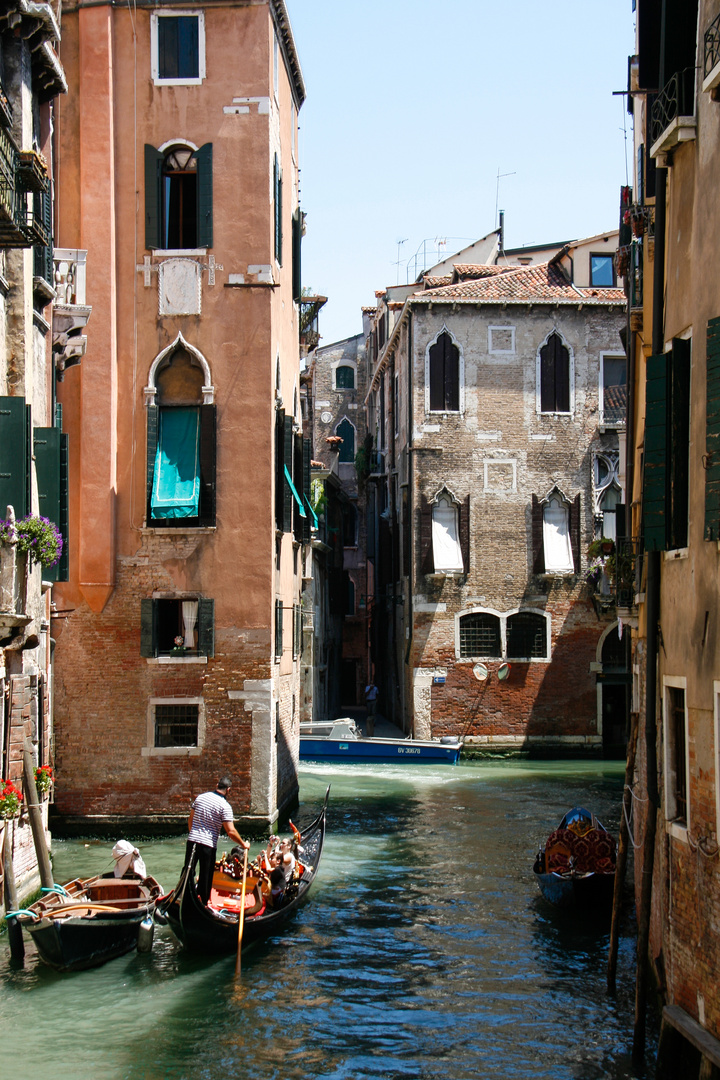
x=35, y=815
x=15, y=934
x=621, y=864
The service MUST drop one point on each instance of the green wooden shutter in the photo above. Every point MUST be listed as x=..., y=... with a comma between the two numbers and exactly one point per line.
x=305, y=490
x=13, y=456
x=46, y=447
x=574, y=525
x=655, y=478
x=208, y=463
x=680, y=442
x=63, y=567
x=148, y=628
x=277, y=193
x=712, y=432
x=152, y=442
x=279, y=468
x=153, y=200
x=297, y=254
x=206, y=627
x=287, y=460
x=538, y=545
x=203, y=157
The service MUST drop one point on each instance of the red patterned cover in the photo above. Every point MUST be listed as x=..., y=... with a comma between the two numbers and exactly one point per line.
x=595, y=851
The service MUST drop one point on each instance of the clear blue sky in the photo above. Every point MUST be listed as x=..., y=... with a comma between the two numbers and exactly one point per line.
x=412, y=108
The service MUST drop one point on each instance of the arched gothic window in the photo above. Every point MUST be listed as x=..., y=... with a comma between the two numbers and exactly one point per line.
x=444, y=375
x=178, y=197
x=347, y=448
x=447, y=553
x=556, y=536
x=554, y=376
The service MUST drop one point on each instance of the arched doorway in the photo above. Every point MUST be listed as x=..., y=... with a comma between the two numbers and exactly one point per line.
x=614, y=690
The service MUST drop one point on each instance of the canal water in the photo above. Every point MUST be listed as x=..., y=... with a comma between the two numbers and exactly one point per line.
x=425, y=952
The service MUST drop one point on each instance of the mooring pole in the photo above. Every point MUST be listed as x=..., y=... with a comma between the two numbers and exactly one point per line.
x=621, y=865
x=36, y=821
x=15, y=934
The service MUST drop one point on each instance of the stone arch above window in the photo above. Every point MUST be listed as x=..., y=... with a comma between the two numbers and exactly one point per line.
x=444, y=374
x=555, y=375
x=555, y=534
x=164, y=358
x=178, y=196
x=346, y=430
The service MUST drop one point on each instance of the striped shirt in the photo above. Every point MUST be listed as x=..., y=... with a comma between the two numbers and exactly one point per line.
x=210, y=810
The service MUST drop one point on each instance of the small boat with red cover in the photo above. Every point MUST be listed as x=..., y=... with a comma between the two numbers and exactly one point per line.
x=576, y=868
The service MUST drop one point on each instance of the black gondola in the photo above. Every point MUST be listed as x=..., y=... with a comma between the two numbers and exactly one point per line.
x=215, y=930
x=577, y=866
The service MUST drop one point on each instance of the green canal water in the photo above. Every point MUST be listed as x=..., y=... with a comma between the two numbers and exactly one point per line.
x=425, y=952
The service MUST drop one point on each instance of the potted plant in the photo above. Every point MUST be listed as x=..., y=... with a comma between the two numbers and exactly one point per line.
x=43, y=779
x=34, y=536
x=179, y=647
x=603, y=546
x=10, y=799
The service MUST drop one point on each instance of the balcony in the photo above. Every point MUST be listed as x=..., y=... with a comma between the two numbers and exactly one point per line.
x=627, y=571
x=672, y=119
x=70, y=311
x=22, y=221
x=711, y=66
x=32, y=171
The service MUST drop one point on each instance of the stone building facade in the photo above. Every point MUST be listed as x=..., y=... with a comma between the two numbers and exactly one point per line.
x=42, y=313
x=673, y=480
x=489, y=405
x=179, y=654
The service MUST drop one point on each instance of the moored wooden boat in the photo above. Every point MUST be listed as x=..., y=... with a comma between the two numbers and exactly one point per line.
x=214, y=929
x=576, y=868
x=89, y=921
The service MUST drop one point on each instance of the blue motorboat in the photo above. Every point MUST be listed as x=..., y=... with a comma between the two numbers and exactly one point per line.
x=340, y=740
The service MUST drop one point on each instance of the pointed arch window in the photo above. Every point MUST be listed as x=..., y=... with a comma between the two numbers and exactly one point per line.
x=556, y=536
x=347, y=448
x=447, y=553
x=554, y=376
x=444, y=375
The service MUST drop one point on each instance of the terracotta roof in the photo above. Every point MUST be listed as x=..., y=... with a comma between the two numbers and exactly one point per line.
x=435, y=282
x=464, y=271
x=368, y=310
x=522, y=284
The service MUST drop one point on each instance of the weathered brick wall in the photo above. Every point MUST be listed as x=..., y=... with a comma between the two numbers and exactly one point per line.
x=499, y=453
x=103, y=687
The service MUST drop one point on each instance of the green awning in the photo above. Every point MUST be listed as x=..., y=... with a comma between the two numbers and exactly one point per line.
x=314, y=515
x=176, y=480
x=298, y=500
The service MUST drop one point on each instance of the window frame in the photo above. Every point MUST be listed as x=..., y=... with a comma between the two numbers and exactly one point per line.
x=205, y=624
x=452, y=503
x=674, y=825
x=571, y=376
x=155, y=46
x=461, y=375
x=601, y=255
x=342, y=364
x=346, y=420
x=500, y=352
x=609, y=354
x=504, y=617
x=556, y=498
x=151, y=750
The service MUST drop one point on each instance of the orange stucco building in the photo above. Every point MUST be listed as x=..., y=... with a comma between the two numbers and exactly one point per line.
x=178, y=656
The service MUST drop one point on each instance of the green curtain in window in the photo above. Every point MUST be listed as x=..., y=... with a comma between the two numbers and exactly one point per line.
x=176, y=481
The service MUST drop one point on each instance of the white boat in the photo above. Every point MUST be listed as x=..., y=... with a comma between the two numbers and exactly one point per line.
x=341, y=740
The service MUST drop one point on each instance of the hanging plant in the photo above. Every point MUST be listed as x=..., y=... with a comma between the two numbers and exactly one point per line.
x=10, y=799
x=34, y=536
x=43, y=779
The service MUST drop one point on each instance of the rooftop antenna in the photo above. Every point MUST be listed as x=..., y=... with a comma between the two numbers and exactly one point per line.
x=397, y=264
x=500, y=176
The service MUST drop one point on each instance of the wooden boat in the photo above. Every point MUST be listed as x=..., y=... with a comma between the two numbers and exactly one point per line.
x=340, y=740
x=214, y=929
x=576, y=868
x=87, y=921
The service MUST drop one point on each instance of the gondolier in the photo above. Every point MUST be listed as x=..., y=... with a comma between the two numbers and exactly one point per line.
x=210, y=814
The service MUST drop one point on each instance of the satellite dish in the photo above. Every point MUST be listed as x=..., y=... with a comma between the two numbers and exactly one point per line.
x=480, y=672
x=503, y=672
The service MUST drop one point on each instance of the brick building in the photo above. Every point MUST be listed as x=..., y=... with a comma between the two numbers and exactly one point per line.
x=491, y=405
x=179, y=653
x=42, y=314
x=673, y=480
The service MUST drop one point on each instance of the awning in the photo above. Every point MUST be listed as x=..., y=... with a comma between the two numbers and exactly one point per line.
x=176, y=480
x=298, y=500
x=314, y=515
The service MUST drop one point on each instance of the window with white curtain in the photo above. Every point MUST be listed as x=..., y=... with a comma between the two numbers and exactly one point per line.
x=556, y=537
x=447, y=555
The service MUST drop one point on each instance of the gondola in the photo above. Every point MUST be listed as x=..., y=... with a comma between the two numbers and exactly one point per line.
x=576, y=868
x=214, y=929
x=87, y=921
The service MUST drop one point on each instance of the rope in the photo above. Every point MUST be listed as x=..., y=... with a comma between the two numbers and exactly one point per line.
x=629, y=817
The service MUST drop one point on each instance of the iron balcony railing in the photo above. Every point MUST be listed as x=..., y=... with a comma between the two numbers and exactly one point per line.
x=23, y=217
x=627, y=571
x=677, y=98
x=635, y=277
x=712, y=46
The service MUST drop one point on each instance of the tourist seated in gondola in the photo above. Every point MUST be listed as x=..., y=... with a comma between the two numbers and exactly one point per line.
x=281, y=874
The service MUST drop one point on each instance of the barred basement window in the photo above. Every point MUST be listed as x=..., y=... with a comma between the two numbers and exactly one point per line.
x=526, y=636
x=176, y=725
x=480, y=635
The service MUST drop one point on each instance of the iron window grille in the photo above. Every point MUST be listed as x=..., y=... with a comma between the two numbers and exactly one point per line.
x=480, y=635
x=677, y=98
x=526, y=636
x=176, y=725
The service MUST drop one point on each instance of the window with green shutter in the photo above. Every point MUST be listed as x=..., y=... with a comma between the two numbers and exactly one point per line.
x=178, y=198
x=15, y=455
x=177, y=627
x=297, y=231
x=712, y=432
x=50, y=450
x=277, y=201
x=655, y=476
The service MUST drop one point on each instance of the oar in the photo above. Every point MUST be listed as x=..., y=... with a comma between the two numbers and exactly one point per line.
x=241, y=919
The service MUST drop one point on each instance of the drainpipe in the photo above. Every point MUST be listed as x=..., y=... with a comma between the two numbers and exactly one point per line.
x=652, y=611
x=410, y=518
